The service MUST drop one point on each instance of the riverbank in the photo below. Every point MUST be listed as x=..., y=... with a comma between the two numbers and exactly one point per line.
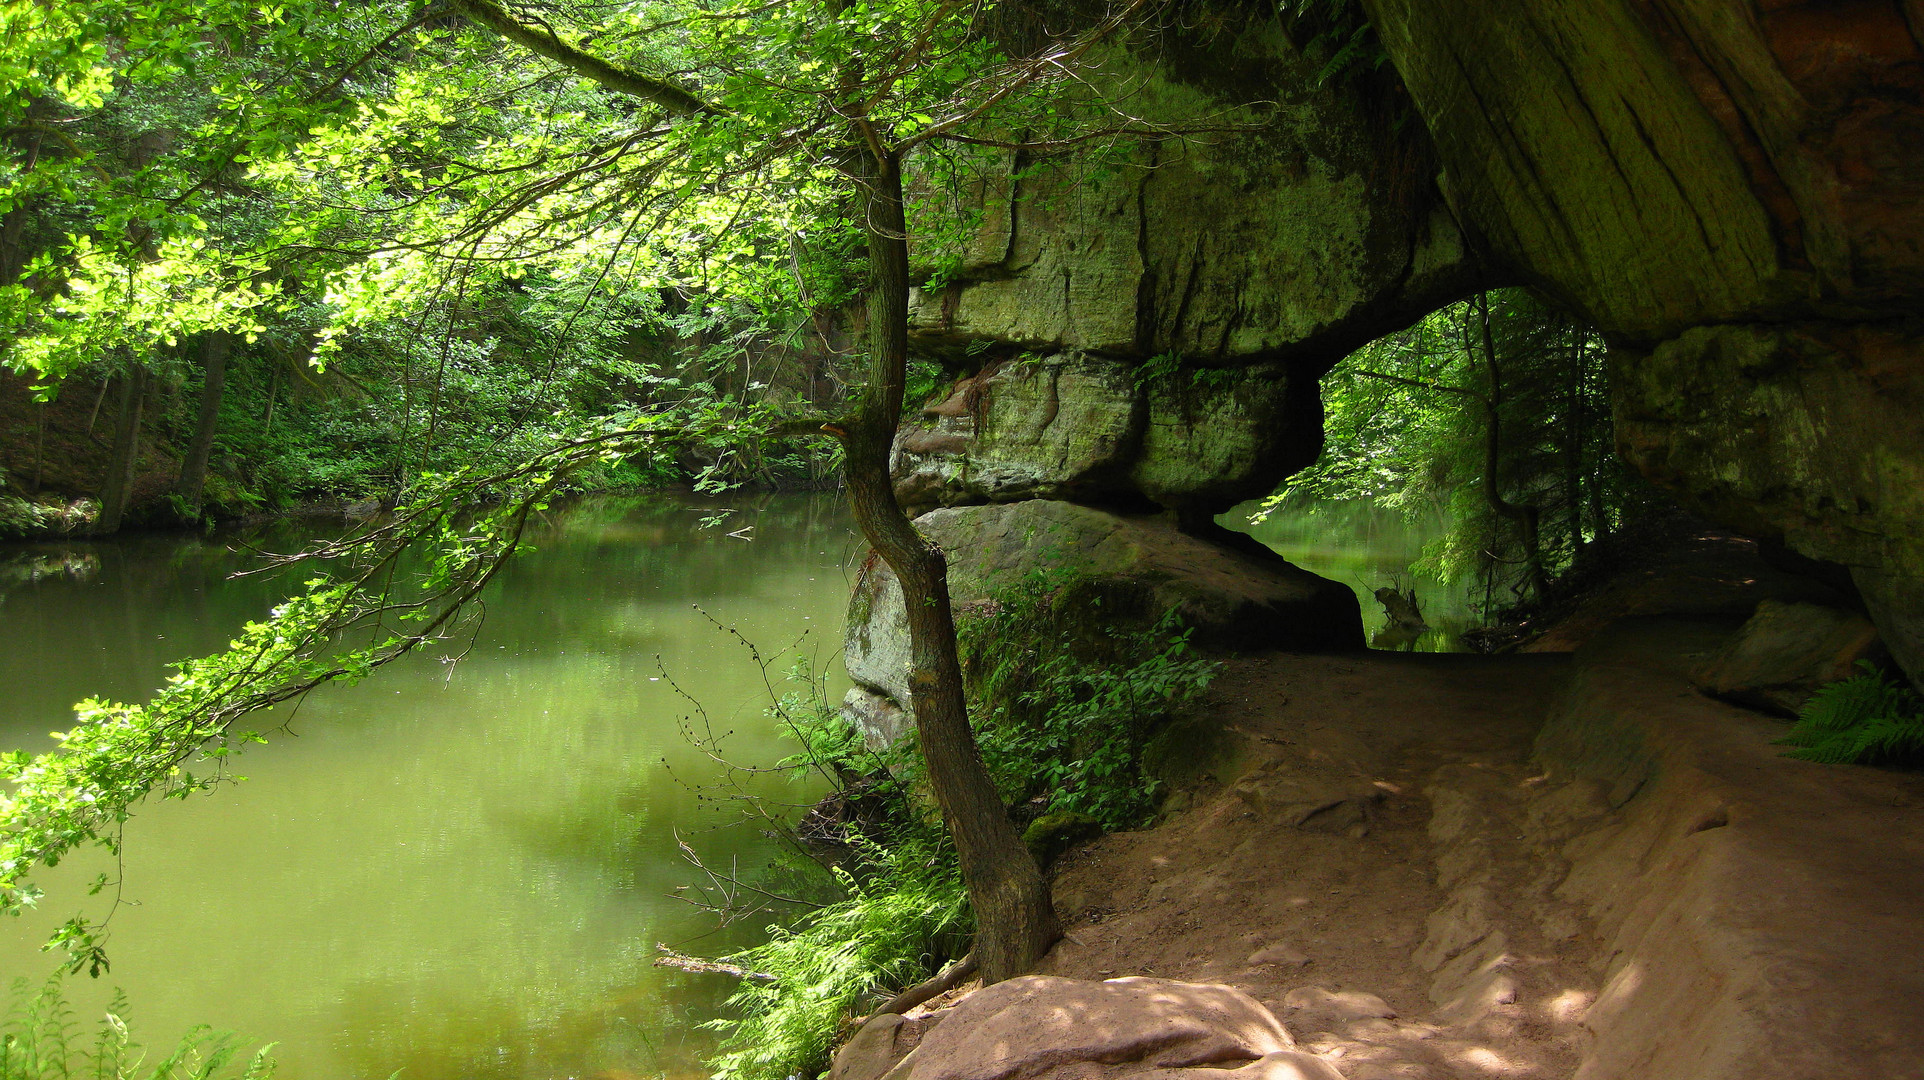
x=324, y=459
x=52, y=517
x=1449, y=866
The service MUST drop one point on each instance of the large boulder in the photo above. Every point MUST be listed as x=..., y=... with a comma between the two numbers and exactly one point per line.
x=1039, y=1026
x=1140, y=566
x=1785, y=652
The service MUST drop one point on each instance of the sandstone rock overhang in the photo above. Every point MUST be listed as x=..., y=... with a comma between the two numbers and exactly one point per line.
x=1733, y=193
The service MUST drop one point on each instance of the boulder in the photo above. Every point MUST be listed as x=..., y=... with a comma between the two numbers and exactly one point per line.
x=1040, y=1026
x=1779, y=658
x=1050, y=835
x=1140, y=567
x=876, y=635
x=881, y=721
x=1231, y=598
x=878, y=1046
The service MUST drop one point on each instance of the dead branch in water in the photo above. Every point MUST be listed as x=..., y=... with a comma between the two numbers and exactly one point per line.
x=671, y=959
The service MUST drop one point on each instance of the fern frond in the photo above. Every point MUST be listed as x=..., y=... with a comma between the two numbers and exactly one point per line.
x=1864, y=719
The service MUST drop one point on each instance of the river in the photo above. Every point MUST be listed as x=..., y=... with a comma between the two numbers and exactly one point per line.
x=460, y=870
x=455, y=870
x=1370, y=547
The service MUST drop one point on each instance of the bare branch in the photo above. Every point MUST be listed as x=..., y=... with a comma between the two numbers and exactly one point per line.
x=1420, y=384
x=669, y=958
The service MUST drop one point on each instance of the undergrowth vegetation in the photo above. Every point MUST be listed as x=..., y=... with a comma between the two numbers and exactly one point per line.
x=1063, y=710
x=1867, y=719
x=1066, y=694
x=904, y=913
x=42, y=1040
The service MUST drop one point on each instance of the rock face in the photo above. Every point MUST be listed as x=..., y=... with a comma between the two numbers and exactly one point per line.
x=1731, y=192
x=1810, y=432
x=1140, y=566
x=1091, y=429
x=1245, y=261
x=1758, y=910
x=1296, y=228
x=1038, y=1027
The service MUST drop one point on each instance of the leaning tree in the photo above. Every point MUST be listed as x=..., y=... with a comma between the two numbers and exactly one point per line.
x=406, y=154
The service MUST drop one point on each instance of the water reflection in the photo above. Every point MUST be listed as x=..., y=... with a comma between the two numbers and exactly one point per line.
x=456, y=870
x=24, y=567
x=1371, y=549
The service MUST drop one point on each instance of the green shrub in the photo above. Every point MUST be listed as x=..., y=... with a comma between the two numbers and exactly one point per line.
x=41, y=1040
x=902, y=909
x=22, y=517
x=1064, y=704
x=1865, y=719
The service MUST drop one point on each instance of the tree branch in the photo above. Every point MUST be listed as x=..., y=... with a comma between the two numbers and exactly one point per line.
x=671, y=96
x=1420, y=385
x=669, y=958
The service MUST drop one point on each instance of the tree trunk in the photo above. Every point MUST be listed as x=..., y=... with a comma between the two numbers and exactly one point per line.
x=1574, y=429
x=193, y=466
x=1526, y=515
x=1015, y=924
x=273, y=392
x=119, y=485
x=94, y=416
x=39, y=447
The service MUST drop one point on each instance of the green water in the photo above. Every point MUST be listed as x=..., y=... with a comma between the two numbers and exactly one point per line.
x=457, y=870
x=1368, y=547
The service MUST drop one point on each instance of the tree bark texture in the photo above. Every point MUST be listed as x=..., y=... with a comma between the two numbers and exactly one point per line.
x=1527, y=515
x=214, y=350
x=1015, y=923
x=118, y=487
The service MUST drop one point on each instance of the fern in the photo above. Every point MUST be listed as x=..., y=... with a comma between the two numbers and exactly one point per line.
x=1865, y=719
x=38, y=1042
x=893, y=929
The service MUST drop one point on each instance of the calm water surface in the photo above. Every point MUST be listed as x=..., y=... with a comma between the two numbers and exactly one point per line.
x=455, y=870
x=1369, y=547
